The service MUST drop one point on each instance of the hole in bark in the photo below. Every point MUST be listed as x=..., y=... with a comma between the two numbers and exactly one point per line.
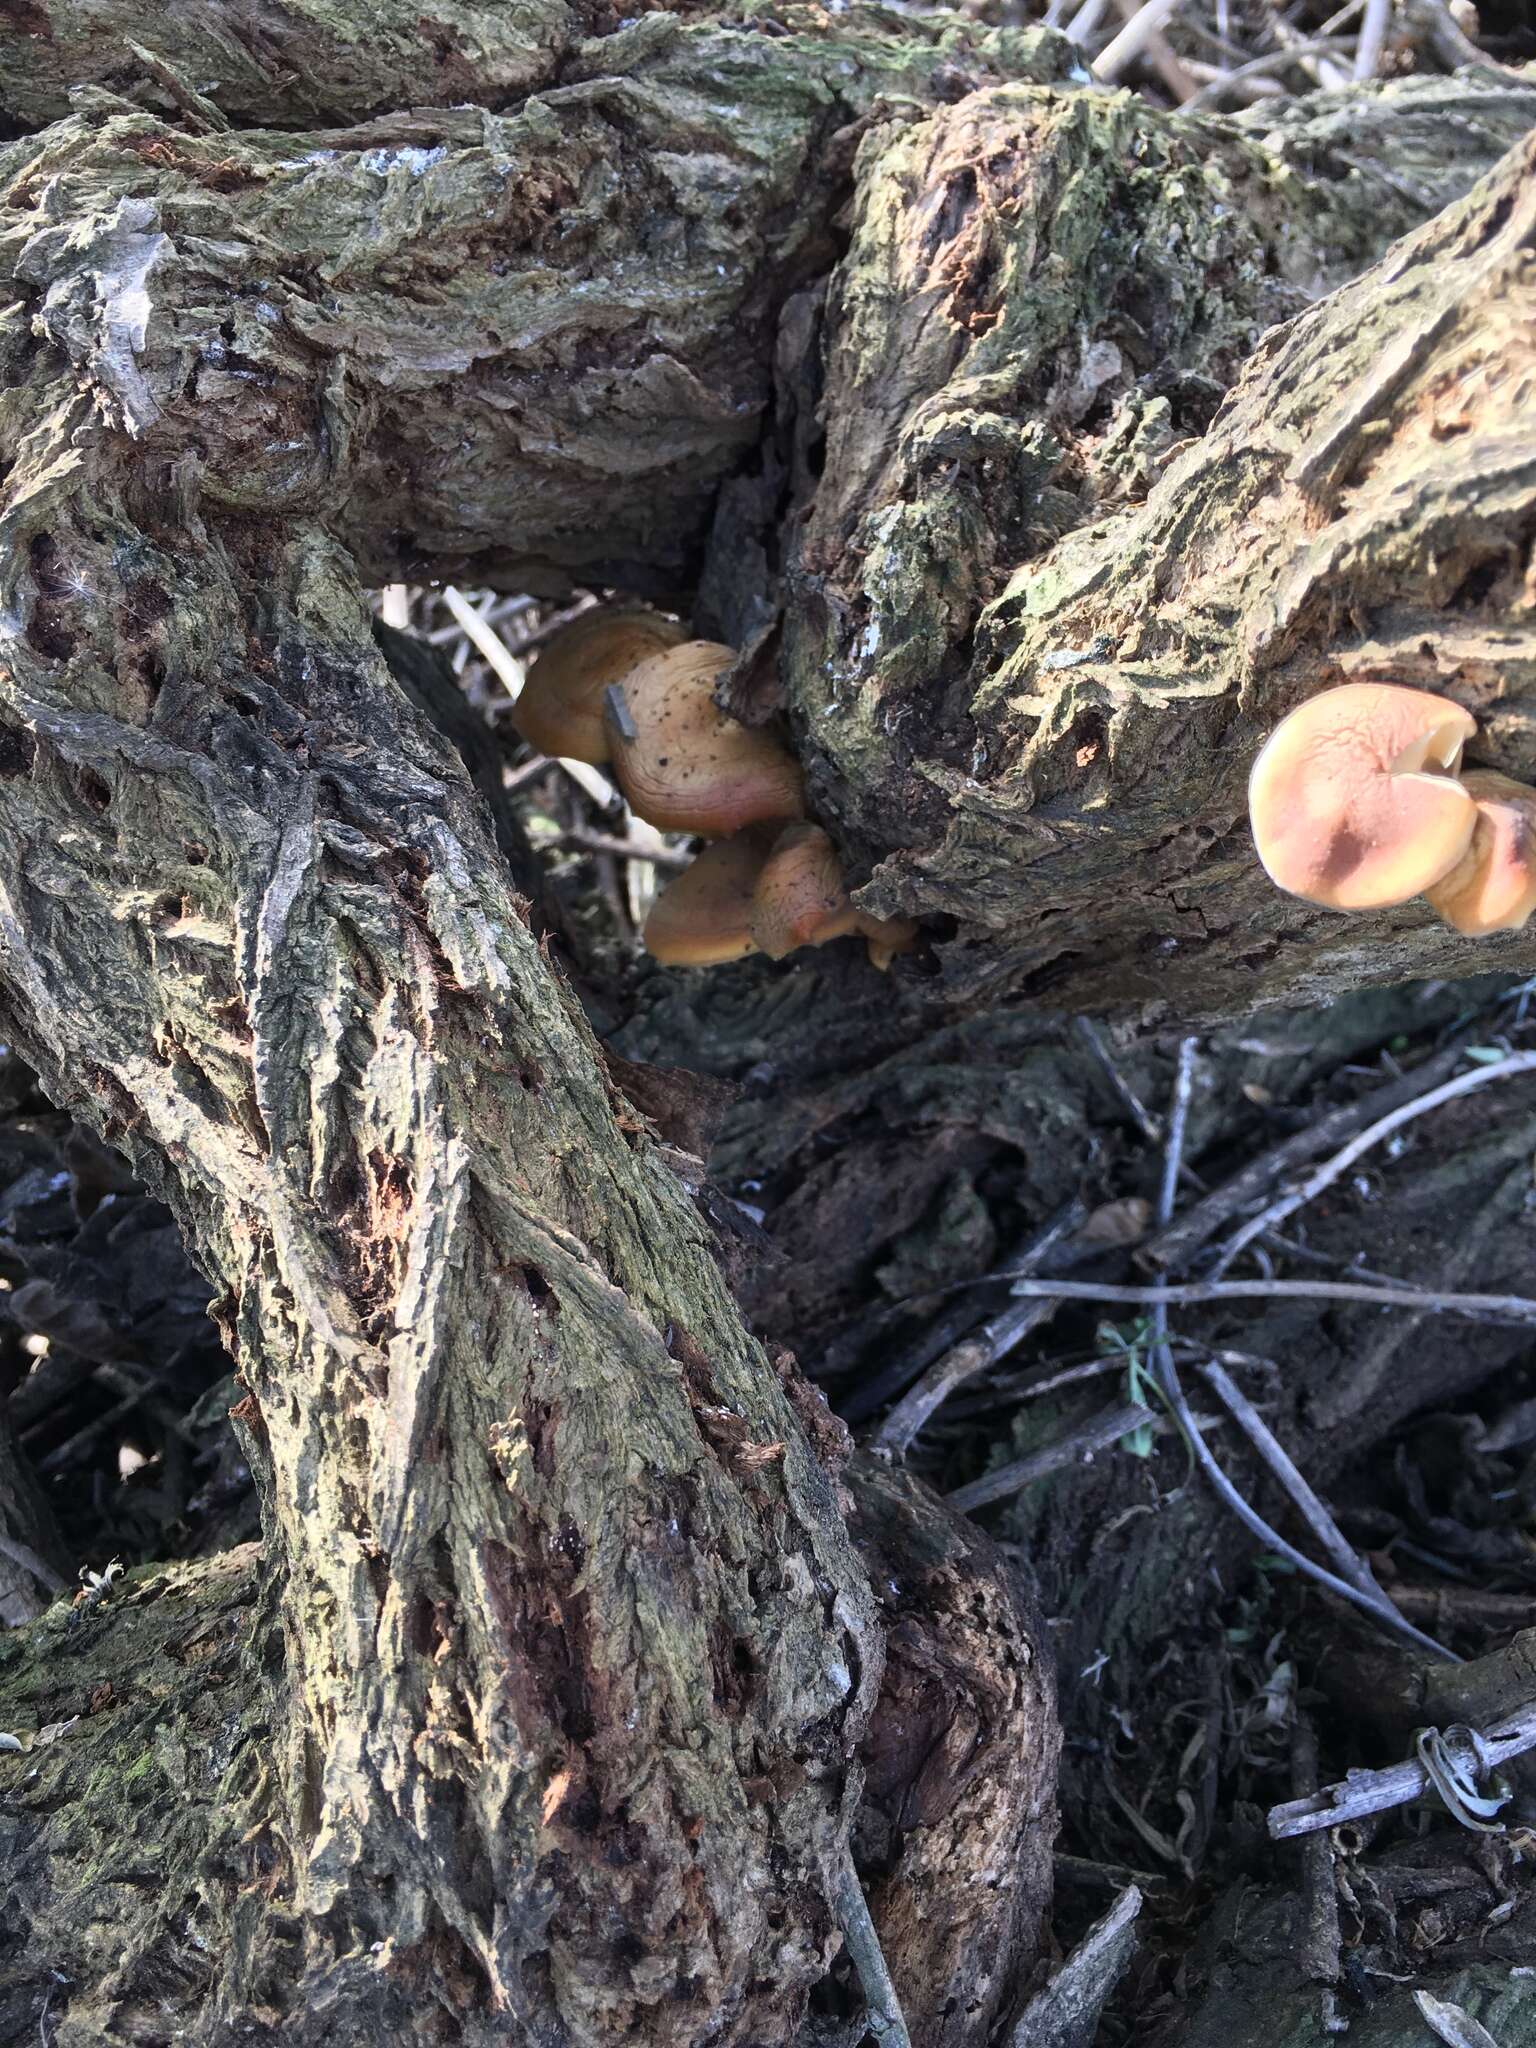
x=48, y=638
x=1475, y=587
x=18, y=750
x=91, y=788
x=540, y=1293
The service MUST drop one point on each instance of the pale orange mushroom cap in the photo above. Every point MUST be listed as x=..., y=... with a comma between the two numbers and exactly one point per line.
x=1354, y=799
x=560, y=709
x=800, y=899
x=703, y=917
x=1492, y=888
x=686, y=767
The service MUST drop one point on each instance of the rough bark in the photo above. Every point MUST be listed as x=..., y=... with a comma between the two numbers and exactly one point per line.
x=566, y=1592
x=959, y=1813
x=126, y=1832
x=576, y=1652
x=305, y=63
x=1057, y=731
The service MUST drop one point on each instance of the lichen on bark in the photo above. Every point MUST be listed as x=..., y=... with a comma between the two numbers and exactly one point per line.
x=576, y=1652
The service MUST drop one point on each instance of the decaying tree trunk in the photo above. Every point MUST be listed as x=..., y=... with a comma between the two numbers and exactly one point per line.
x=550, y=1721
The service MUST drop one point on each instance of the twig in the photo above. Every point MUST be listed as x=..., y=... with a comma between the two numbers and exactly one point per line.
x=1178, y=1120
x=1507, y=1069
x=1125, y=48
x=1163, y=58
x=1513, y=1308
x=1035, y=1252
x=1178, y=1243
x=1321, y=1946
x=1085, y=21
x=1444, y=1607
x=973, y=1354
x=1366, y=1792
x=1071, y=1448
x=1165, y=1372
x=22, y=1554
x=1349, y=1563
x=1171, y=1388
x=1254, y=1522
x=591, y=782
x=625, y=849
x=490, y=643
x=1437, y=25
x=1259, y=67
x=864, y=1951
x=1068, y=2008
x=1373, y=33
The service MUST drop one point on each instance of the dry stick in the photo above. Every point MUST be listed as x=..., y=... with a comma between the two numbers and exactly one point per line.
x=489, y=642
x=1321, y=1946
x=624, y=849
x=23, y=1555
x=1167, y=1376
x=1132, y=40
x=1072, y=1448
x=1069, y=2007
x=1373, y=33
x=1367, y=1792
x=884, y=2015
x=954, y=1326
x=1175, y=1245
x=973, y=1354
x=1512, y=1308
x=1163, y=58
x=1259, y=67
x=1507, y=1069
x=1349, y=1563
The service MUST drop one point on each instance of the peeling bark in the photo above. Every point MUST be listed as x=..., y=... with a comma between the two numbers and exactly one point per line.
x=572, y=1655
x=1045, y=607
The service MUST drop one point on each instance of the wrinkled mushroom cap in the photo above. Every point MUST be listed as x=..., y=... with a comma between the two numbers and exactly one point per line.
x=560, y=708
x=686, y=767
x=1492, y=888
x=800, y=899
x=1354, y=799
x=703, y=917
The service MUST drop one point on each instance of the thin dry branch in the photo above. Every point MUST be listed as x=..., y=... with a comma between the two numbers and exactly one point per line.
x=1507, y=1069
x=1514, y=1308
x=1367, y=1792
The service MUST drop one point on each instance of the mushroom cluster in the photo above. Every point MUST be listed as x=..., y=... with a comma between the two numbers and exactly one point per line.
x=1358, y=801
x=624, y=689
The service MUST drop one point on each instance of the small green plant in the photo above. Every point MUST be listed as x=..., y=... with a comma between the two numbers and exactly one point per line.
x=1131, y=1345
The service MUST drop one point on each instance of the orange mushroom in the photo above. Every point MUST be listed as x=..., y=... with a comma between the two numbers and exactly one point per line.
x=682, y=764
x=560, y=709
x=1492, y=888
x=800, y=899
x=703, y=916
x=1354, y=799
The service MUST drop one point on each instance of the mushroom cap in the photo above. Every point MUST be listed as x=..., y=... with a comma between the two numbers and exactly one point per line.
x=703, y=916
x=689, y=768
x=560, y=708
x=800, y=899
x=1492, y=888
x=1354, y=800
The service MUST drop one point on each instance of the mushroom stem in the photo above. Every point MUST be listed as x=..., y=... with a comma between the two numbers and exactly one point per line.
x=1492, y=888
